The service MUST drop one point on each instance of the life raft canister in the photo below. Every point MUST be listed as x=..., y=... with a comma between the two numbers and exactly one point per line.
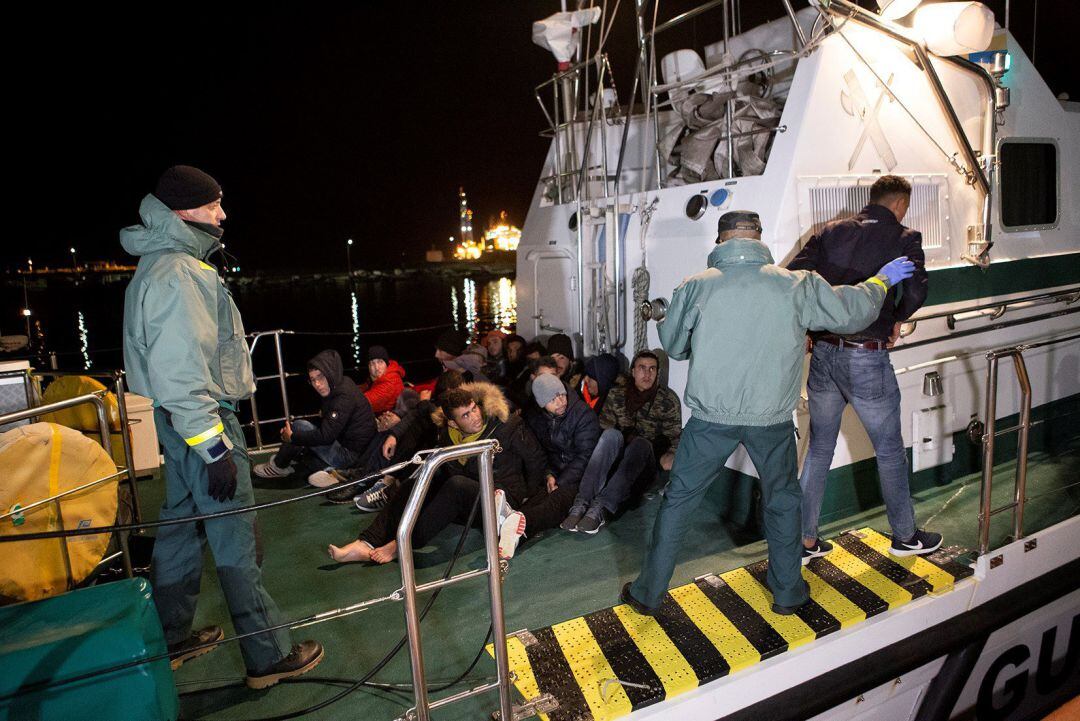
x=36, y=462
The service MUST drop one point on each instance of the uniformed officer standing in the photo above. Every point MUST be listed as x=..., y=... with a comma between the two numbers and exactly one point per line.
x=742, y=324
x=184, y=347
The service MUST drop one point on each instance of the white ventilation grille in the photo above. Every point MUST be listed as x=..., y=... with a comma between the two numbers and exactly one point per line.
x=831, y=199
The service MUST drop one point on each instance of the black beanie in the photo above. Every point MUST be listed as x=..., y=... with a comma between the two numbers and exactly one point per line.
x=183, y=187
x=452, y=342
x=377, y=352
x=561, y=343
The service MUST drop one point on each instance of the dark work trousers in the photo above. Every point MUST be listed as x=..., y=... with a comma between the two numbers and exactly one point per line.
x=447, y=502
x=635, y=468
x=178, y=550
x=547, y=510
x=698, y=463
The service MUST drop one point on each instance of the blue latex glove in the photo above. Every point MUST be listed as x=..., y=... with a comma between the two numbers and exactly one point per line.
x=896, y=270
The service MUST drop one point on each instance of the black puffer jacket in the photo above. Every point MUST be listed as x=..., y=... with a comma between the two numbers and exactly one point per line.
x=346, y=413
x=519, y=466
x=568, y=440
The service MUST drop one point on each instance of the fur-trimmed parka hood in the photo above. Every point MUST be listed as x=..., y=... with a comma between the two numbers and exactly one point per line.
x=488, y=396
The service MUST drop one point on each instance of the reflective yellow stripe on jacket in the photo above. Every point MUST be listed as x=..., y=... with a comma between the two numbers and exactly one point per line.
x=206, y=435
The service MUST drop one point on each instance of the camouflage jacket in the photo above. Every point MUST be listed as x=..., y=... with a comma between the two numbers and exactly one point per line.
x=660, y=420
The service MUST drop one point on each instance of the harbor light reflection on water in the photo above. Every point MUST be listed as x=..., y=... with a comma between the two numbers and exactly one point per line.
x=84, y=341
x=496, y=305
x=359, y=315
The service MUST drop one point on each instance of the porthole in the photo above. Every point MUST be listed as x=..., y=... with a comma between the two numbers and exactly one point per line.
x=696, y=206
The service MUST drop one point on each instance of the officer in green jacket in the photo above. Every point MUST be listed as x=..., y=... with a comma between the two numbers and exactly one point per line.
x=742, y=323
x=184, y=348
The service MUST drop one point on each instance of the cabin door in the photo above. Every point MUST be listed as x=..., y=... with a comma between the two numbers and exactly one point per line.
x=555, y=288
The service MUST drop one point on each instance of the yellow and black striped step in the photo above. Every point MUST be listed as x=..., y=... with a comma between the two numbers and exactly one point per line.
x=611, y=662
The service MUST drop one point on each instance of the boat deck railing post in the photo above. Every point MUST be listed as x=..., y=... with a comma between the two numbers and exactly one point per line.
x=486, y=450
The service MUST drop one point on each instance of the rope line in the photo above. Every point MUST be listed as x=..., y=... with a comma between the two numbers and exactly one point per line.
x=98, y=530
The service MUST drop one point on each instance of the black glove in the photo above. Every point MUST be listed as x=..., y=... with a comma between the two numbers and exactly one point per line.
x=222, y=473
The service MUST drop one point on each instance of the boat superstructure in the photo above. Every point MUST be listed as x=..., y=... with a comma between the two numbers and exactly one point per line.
x=993, y=157
x=795, y=119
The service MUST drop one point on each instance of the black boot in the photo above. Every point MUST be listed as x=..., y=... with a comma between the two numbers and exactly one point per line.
x=304, y=656
x=189, y=648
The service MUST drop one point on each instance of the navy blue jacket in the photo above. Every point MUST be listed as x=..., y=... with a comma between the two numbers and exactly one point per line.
x=568, y=440
x=849, y=251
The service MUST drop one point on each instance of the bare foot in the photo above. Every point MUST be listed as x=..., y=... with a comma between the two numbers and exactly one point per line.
x=355, y=552
x=385, y=554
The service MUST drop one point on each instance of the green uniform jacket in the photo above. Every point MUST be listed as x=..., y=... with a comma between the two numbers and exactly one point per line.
x=743, y=322
x=184, y=341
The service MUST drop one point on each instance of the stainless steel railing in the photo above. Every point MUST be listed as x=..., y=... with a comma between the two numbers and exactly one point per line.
x=281, y=376
x=486, y=450
x=1022, y=428
x=103, y=433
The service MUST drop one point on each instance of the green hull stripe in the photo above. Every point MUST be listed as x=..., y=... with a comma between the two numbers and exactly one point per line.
x=951, y=285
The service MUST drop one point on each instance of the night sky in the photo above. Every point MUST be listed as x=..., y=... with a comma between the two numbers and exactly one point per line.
x=346, y=120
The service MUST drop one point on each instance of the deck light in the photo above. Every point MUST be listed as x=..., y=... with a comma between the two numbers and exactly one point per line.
x=955, y=28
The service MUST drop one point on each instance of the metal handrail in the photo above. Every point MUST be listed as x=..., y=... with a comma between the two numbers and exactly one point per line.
x=486, y=450
x=1068, y=297
x=986, y=509
x=103, y=433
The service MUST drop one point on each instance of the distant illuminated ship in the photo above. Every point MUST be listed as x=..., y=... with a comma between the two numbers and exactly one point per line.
x=500, y=234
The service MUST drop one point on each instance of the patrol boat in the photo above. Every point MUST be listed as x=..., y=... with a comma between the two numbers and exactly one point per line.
x=625, y=208
x=795, y=119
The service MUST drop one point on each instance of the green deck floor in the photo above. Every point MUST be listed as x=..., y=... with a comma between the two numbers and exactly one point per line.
x=554, y=577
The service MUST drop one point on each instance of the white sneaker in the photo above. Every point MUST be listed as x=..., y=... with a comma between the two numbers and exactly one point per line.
x=510, y=534
x=502, y=509
x=323, y=479
x=270, y=470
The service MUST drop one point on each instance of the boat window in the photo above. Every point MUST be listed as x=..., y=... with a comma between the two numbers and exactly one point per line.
x=1029, y=184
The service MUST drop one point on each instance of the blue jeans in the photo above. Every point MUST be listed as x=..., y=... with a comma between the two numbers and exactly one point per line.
x=699, y=462
x=333, y=455
x=865, y=379
x=634, y=464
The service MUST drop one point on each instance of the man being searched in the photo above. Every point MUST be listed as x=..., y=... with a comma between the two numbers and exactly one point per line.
x=856, y=369
x=642, y=422
x=346, y=426
x=742, y=323
x=184, y=348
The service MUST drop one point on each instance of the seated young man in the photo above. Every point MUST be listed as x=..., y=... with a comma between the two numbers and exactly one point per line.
x=642, y=422
x=567, y=431
x=561, y=348
x=475, y=411
x=415, y=431
x=345, y=428
x=601, y=372
x=386, y=380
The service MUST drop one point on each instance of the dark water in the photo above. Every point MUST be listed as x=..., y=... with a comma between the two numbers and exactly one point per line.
x=83, y=323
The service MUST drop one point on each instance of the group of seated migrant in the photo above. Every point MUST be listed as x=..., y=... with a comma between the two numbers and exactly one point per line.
x=578, y=439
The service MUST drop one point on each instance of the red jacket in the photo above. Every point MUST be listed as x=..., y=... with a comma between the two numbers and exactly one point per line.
x=383, y=393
